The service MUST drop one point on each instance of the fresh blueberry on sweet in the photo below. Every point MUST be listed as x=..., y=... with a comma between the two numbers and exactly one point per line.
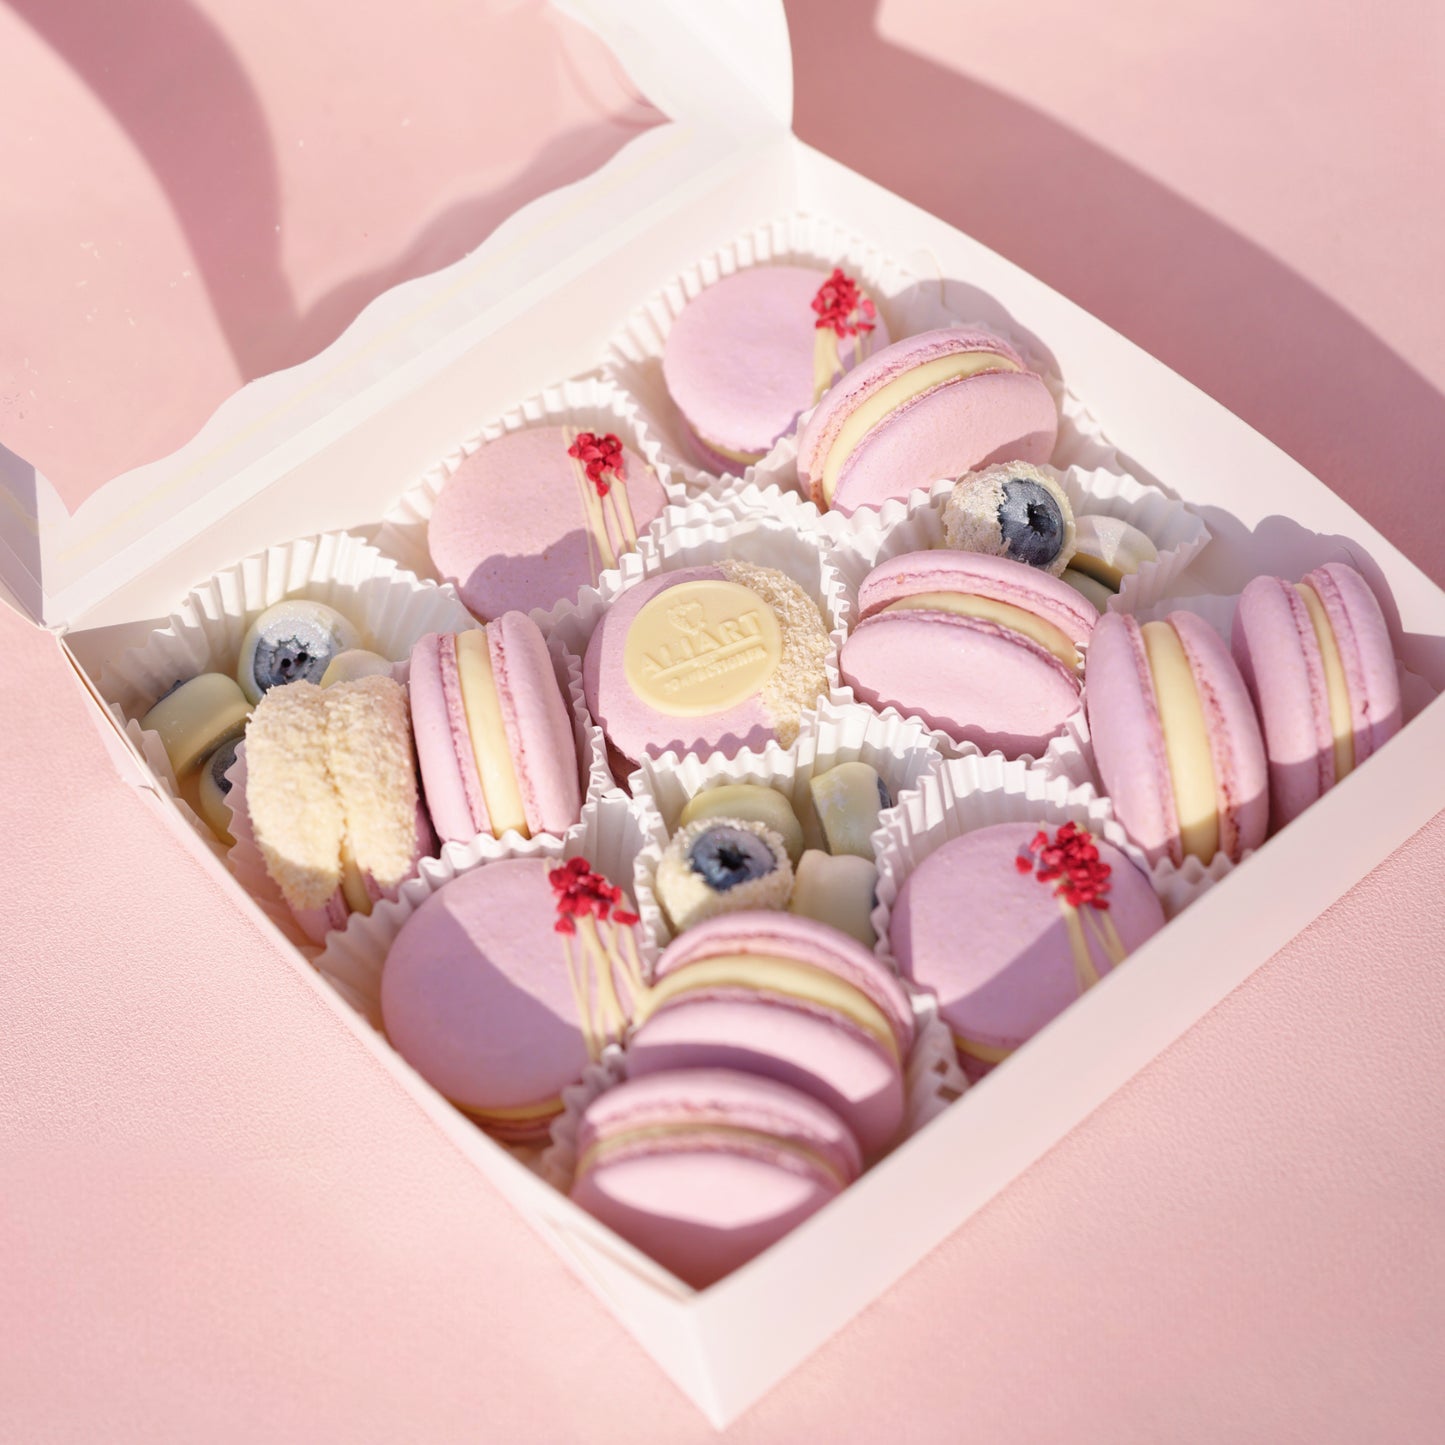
x=294, y=641
x=1014, y=511
x=721, y=866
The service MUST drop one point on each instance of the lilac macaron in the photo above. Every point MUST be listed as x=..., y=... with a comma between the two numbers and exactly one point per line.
x=986, y=649
x=494, y=1005
x=1320, y=666
x=712, y=658
x=792, y=999
x=1175, y=738
x=494, y=735
x=752, y=352
x=704, y=1169
x=1009, y=924
x=538, y=514
x=929, y=407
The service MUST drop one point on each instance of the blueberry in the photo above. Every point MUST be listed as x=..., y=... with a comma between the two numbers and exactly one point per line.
x=725, y=856
x=293, y=641
x=220, y=765
x=1031, y=522
x=884, y=801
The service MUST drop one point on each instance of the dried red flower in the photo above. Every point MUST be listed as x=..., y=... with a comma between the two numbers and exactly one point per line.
x=1072, y=860
x=599, y=455
x=836, y=303
x=581, y=893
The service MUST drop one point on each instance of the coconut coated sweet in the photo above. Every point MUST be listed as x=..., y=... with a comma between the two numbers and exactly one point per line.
x=1012, y=510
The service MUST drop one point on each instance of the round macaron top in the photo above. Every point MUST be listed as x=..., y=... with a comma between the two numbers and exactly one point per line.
x=979, y=574
x=710, y=658
x=935, y=405
x=478, y=993
x=1180, y=753
x=535, y=515
x=748, y=354
x=981, y=922
x=703, y=1169
x=796, y=940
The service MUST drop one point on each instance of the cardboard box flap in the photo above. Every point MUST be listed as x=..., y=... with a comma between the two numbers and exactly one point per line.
x=722, y=76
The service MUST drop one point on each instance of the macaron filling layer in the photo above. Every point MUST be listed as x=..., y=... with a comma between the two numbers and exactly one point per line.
x=688, y=1136
x=1186, y=740
x=1004, y=614
x=488, y=731
x=1337, y=689
x=897, y=393
x=814, y=988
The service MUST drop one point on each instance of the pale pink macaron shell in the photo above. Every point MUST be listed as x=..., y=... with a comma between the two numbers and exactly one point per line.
x=707, y=1167
x=738, y=361
x=991, y=943
x=796, y=1041
x=1276, y=648
x=1128, y=739
x=509, y=526
x=635, y=730
x=955, y=427
x=538, y=727
x=476, y=994
x=969, y=677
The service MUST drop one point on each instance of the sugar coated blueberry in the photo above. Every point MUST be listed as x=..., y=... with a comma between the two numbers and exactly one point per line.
x=1012, y=510
x=294, y=641
x=722, y=865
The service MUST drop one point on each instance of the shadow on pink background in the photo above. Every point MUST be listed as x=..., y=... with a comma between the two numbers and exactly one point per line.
x=218, y=1222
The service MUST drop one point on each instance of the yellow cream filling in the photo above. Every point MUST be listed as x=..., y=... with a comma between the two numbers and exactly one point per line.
x=1186, y=740
x=770, y=1143
x=1341, y=723
x=984, y=1053
x=353, y=884
x=888, y=399
x=1017, y=619
x=521, y=1114
x=773, y=975
x=489, y=734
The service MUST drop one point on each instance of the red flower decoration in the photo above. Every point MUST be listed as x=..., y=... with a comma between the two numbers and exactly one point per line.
x=581, y=893
x=837, y=300
x=599, y=455
x=1072, y=859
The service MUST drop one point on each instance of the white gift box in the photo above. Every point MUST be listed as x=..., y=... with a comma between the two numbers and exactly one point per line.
x=332, y=444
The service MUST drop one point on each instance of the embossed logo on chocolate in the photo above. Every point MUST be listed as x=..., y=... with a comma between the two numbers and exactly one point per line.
x=702, y=647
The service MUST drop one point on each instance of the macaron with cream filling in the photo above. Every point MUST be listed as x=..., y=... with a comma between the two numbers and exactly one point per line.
x=753, y=351
x=537, y=514
x=712, y=658
x=1175, y=738
x=1048, y=913
x=790, y=998
x=935, y=405
x=493, y=732
x=986, y=649
x=506, y=982
x=1318, y=660
x=704, y=1169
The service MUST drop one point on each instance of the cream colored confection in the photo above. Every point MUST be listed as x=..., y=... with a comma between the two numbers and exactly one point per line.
x=838, y=890
x=971, y=513
x=687, y=898
x=754, y=802
x=1107, y=549
x=848, y=799
x=197, y=717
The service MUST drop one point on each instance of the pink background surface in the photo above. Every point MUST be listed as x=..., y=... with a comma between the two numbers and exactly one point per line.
x=205, y=1232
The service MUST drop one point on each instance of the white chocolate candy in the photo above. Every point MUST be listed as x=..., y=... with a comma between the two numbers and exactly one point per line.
x=754, y=802
x=1108, y=549
x=837, y=890
x=353, y=663
x=197, y=717
x=848, y=799
x=1089, y=587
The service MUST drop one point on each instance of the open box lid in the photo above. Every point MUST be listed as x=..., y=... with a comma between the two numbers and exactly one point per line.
x=720, y=74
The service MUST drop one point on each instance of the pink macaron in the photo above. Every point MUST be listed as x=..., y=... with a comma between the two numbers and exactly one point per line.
x=538, y=514
x=929, y=407
x=756, y=349
x=1320, y=666
x=704, y=1169
x=712, y=658
x=1009, y=924
x=493, y=732
x=986, y=649
x=498, y=1007
x=1175, y=737
x=789, y=998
